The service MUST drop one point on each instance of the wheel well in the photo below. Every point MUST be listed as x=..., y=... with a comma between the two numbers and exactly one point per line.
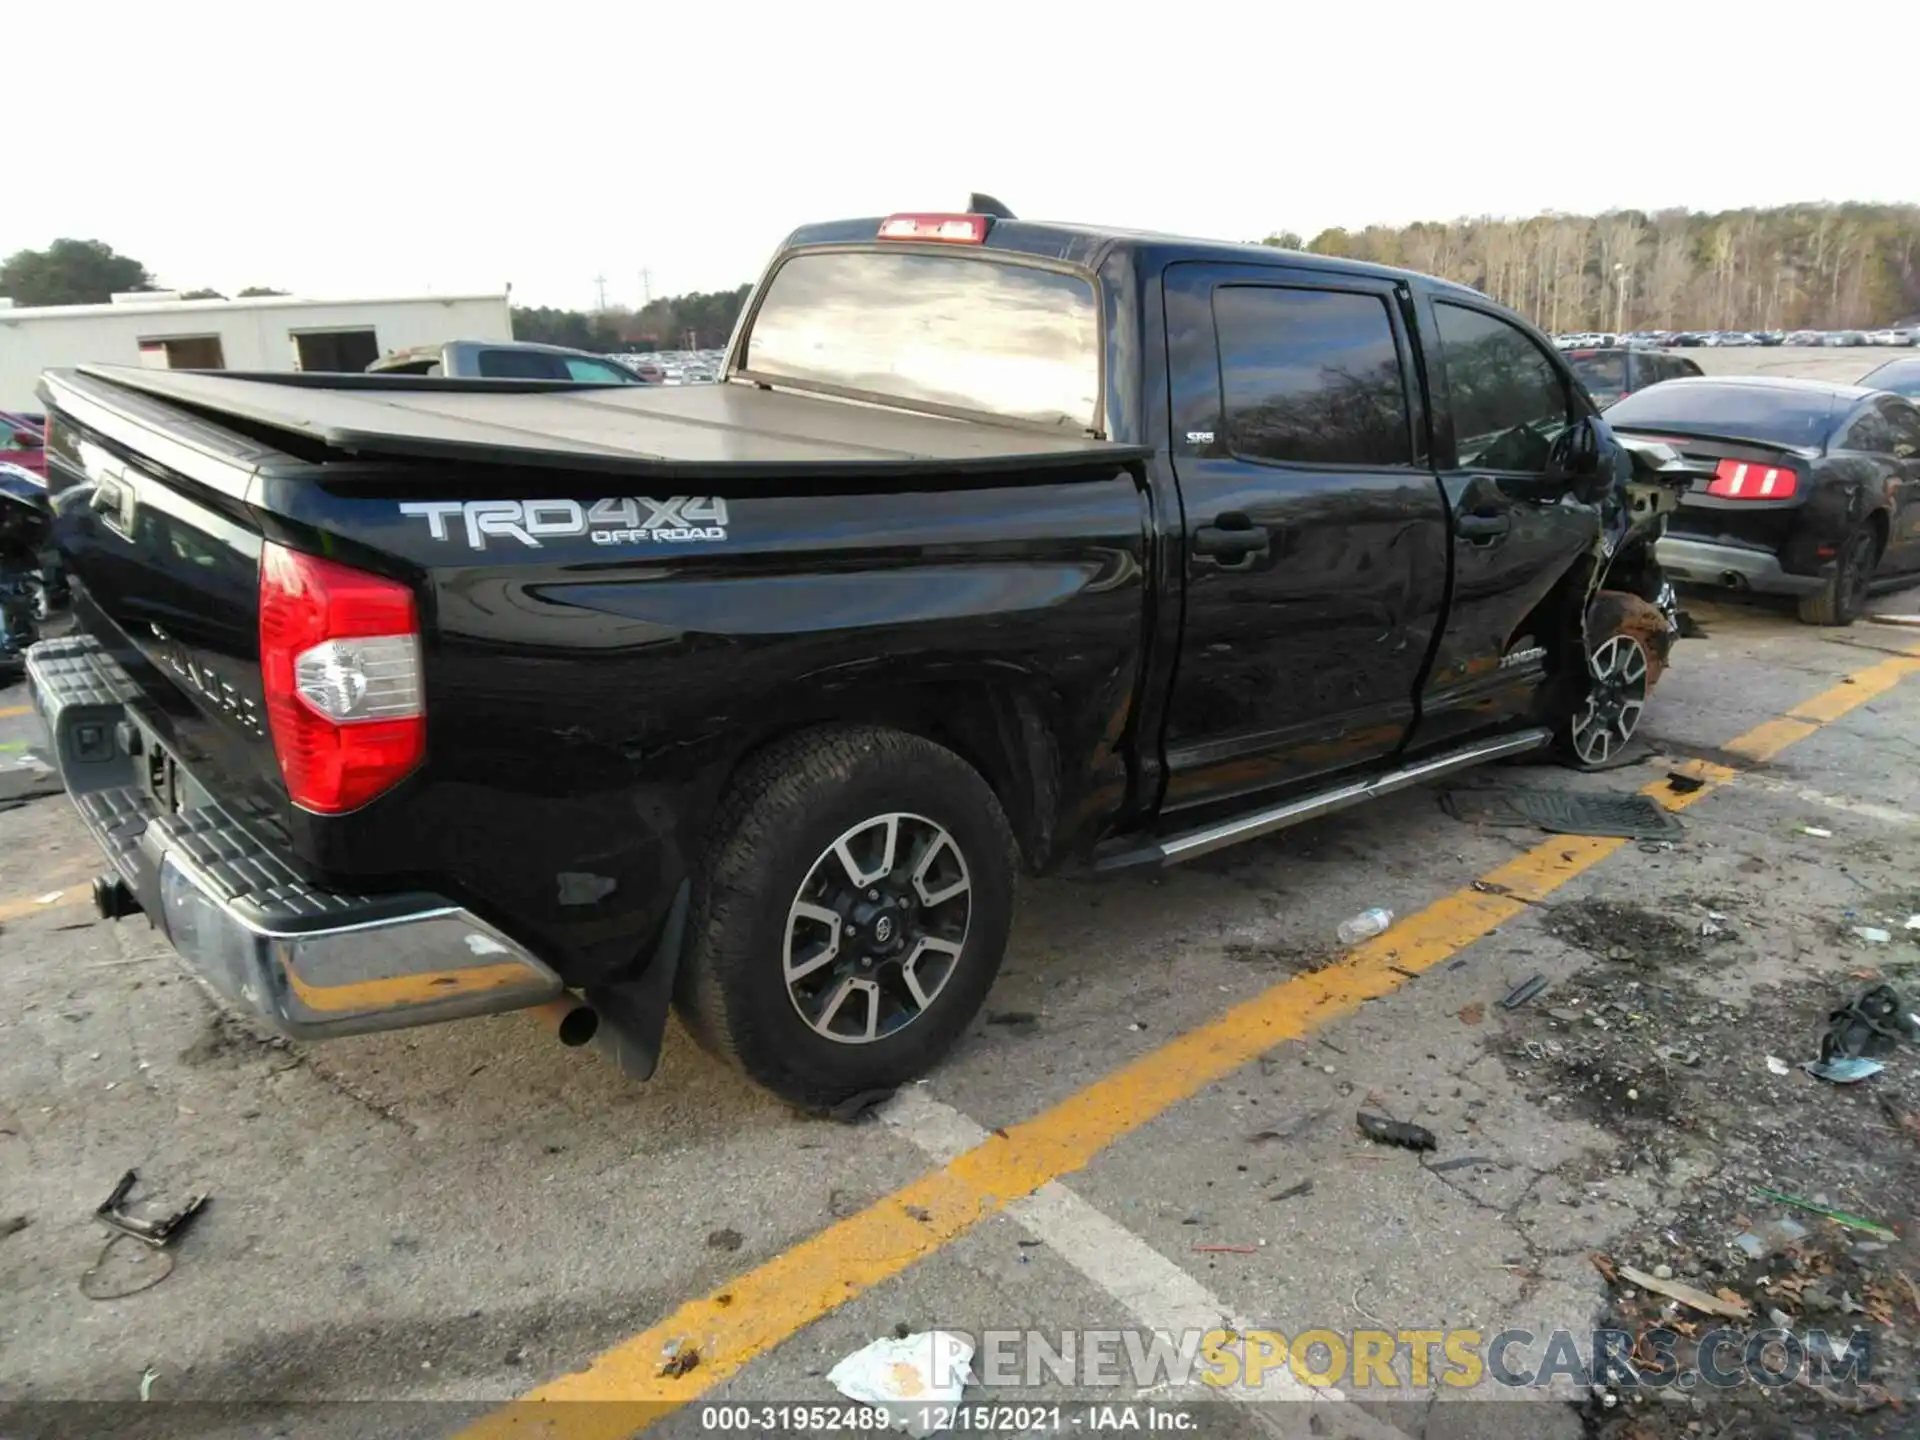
x=1000, y=733
x=1877, y=522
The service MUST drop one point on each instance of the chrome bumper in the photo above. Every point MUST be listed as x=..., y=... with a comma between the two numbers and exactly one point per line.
x=309, y=962
x=1703, y=562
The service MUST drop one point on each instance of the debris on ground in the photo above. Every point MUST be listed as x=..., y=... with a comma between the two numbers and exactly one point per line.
x=147, y=1377
x=1843, y=1070
x=1817, y=832
x=1778, y=1066
x=1874, y=1020
x=1303, y=1187
x=1523, y=992
x=1873, y=934
x=156, y=1233
x=1364, y=926
x=1684, y=784
x=1395, y=1132
x=13, y=1225
x=1816, y=1207
x=913, y=1378
x=1565, y=812
x=728, y=1239
x=1693, y=1299
x=682, y=1361
x=1770, y=1238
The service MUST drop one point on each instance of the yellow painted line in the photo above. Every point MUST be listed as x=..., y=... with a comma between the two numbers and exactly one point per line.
x=25, y=905
x=752, y=1313
x=9, y=712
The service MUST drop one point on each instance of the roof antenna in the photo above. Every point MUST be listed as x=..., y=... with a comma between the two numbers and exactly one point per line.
x=979, y=204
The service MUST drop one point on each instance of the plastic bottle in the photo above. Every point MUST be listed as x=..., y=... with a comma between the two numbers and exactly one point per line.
x=1365, y=925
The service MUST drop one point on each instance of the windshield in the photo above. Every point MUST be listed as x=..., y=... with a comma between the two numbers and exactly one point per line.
x=1602, y=374
x=951, y=330
x=1774, y=415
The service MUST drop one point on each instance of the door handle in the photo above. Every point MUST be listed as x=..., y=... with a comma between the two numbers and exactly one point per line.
x=1231, y=537
x=1483, y=529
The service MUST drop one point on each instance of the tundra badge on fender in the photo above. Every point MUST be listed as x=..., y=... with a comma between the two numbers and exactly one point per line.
x=617, y=520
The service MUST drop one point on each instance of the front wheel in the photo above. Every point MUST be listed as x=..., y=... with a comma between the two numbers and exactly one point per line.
x=1845, y=594
x=851, y=915
x=1627, y=640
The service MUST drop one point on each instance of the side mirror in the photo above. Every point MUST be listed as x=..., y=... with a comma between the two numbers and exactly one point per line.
x=1587, y=460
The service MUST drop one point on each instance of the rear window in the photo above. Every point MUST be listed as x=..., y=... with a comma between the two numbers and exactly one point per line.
x=520, y=365
x=1902, y=377
x=1739, y=412
x=952, y=330
x=1601, y=374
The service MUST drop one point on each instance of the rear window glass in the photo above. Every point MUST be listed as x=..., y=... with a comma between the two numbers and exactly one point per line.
x=1312, y=377
x=1739, y=412
x=1902, y=377
x=520, y=365
x=1601, y=374
x=950, y=330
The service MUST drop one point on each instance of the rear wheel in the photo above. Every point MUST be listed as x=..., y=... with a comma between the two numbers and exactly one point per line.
x=851, y=915
x=1845, y=593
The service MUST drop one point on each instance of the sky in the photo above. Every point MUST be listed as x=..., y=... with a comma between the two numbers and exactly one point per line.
x=349, y=150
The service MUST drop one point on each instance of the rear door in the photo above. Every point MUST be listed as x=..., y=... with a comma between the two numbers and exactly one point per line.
x=1500, y=399
x=1315, y=547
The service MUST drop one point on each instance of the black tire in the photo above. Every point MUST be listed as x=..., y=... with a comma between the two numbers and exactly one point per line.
x=778, y=823
x=1627, y=652
x=1845, y=594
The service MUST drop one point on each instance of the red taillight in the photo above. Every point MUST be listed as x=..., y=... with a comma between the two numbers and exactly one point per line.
x=951, y=229
x=1749, y=480
x=340, y=664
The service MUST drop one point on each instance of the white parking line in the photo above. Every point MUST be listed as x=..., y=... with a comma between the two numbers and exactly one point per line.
x=1158, y=1294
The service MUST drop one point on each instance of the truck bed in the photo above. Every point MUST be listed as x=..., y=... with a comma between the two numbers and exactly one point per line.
x=665, y=432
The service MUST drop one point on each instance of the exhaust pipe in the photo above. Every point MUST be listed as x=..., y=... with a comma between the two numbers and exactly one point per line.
x=571, y=1021
x=113, y=899
x=1733, y=580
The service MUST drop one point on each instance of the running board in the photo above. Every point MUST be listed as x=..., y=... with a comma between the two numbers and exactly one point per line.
x=1191, y=843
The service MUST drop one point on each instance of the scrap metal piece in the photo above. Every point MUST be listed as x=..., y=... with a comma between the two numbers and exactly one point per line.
x=1523, y=992
x=1395, y=1132
x=156, y=1233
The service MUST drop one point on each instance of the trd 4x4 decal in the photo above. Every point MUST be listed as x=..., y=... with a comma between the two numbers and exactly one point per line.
x=617, y=520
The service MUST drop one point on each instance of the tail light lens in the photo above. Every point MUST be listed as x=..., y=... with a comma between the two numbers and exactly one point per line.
x=1746, y=480
x=340, y=664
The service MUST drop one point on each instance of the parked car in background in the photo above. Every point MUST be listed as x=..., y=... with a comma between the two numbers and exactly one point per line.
x=23, y=441
x=1814, y=492
x=1902, y=377
x=1610, y=374
x=507, y=360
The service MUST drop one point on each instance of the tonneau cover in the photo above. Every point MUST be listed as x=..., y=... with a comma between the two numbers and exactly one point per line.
x=656, y=430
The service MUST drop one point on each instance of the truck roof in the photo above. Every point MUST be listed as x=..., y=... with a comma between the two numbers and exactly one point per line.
x=1087, y=245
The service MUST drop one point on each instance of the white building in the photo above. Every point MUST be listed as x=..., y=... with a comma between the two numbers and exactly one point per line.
x=274, y=332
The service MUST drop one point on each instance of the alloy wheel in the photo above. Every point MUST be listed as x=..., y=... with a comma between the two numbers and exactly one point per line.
x=1616, y=696
x=877, y=928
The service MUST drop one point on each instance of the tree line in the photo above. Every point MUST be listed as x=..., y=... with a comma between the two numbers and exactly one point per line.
x=1822, y=267
x=702, y=320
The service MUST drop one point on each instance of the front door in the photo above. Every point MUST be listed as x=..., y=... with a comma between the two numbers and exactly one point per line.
x=1315, y=542
x=1500, y=400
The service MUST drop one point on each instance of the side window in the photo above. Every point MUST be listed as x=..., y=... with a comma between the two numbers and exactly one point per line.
x=1509, y=402
x=598, y=371
x=1310, y=377
x=520, y=365
x=1903, y=421
x=1867, y=431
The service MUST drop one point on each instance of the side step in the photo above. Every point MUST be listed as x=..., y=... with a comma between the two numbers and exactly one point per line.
x=1172, y=849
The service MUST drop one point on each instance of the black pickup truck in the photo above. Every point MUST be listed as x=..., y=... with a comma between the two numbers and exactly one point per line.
x=1000, y=545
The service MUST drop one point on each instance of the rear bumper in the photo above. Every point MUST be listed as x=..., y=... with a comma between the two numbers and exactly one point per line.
x=1703, y=562
x=309, y=962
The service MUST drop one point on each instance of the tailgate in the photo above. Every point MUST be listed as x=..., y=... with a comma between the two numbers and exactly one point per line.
x=153, y=526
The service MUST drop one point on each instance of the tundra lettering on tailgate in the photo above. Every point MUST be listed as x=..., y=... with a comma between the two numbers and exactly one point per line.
x=618, y=520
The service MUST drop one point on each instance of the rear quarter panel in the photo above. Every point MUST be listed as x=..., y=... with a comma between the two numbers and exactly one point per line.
x=588, y=696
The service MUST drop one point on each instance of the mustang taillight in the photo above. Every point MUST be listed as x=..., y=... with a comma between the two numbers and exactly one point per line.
x=340, y=664
x=951, y=229
x=1747, y=480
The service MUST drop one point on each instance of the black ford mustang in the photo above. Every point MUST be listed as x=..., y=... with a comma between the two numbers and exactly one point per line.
x=1814, y=493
